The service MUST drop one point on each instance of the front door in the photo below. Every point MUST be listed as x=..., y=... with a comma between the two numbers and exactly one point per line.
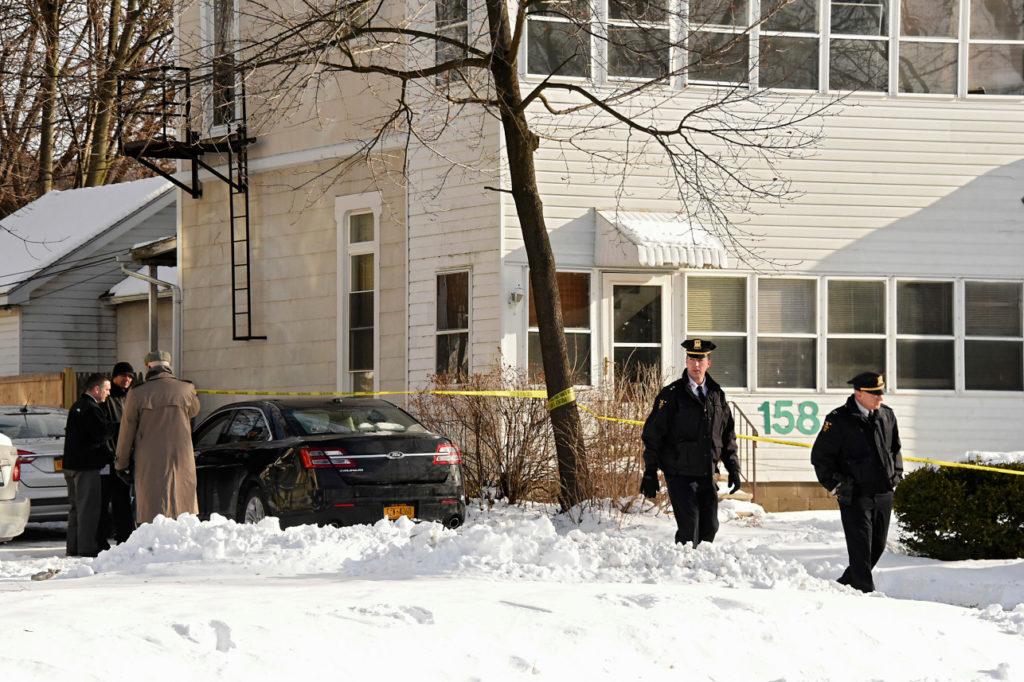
x=637, y=326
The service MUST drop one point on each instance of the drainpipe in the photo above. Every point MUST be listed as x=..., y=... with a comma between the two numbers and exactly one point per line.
x=176, y=336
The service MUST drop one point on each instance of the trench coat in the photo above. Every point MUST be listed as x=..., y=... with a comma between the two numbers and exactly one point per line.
x=156, y=441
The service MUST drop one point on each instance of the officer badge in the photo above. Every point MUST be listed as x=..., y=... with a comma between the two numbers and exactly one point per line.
x=696, y=344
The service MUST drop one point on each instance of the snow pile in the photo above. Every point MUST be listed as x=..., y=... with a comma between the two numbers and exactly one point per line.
x=984, y=457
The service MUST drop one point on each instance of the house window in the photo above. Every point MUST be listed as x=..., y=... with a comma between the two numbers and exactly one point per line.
x=993, y=346
x=856, y=330
x=996, y=48
x=859, y=46
x=638, y=39
x=928, y=46
x=451, y=22
x=719, y=49
x=924, y=335
x=558, y=38
x=716, y=308
x=452, y=345
x=789, y=45
x=361, y=301
x=786, y=333
x=574, y=292
x=223, y=62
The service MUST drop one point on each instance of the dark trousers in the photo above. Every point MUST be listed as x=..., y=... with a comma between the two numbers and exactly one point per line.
x=84, y=496
x=116, y=518
x=695, y=506
x=866, y=526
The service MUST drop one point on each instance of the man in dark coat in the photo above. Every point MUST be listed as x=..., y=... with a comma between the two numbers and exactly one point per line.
x=116, y=507
x=88, y=447
x=856, y=456
x=689, y=431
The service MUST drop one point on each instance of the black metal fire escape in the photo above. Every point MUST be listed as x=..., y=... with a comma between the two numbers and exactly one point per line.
x=175, y=137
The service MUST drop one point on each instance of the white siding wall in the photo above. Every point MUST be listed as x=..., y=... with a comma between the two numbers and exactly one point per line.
x=10, y=342
x=64, y=323
x=897, y=187
x=454, y=225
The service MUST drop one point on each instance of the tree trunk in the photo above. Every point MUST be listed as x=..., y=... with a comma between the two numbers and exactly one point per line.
x=521, y=143
x=49, y=21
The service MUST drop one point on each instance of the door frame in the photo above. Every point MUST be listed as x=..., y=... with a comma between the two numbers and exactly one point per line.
x=609, y=280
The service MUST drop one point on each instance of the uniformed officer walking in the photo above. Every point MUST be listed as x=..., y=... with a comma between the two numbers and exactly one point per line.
x=689, y=431
x=856, y=456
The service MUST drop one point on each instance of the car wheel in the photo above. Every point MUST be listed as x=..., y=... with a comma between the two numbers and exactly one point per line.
x=254, y=506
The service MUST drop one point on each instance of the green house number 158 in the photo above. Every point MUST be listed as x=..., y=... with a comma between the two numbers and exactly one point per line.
x=779, y=417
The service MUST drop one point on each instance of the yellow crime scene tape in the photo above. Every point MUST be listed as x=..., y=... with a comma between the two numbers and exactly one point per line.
x=564, y=398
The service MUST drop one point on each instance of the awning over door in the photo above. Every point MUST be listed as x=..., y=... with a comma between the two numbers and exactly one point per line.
x=631, y=238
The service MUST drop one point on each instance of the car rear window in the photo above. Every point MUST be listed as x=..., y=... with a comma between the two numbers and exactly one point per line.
x=33, y=425
x=320, y=419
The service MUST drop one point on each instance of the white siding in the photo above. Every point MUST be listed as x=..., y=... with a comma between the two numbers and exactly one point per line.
x=10, y=343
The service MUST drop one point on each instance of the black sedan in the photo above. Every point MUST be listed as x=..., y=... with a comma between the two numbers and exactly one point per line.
x=342, y=461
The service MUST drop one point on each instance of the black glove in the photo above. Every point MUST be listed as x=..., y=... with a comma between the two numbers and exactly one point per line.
x=649, y=484
x=125, y=475
x=844, y=490
x=734, y=481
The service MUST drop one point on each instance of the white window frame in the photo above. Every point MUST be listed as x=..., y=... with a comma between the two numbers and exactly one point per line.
x=344, y=208
x=468, y=330
x=963, y=336
x=206, y=28
x=595, y=374
x=609, y=280
x=888, y=335
x=815, y=334
x=749, y=312
x=895, y=336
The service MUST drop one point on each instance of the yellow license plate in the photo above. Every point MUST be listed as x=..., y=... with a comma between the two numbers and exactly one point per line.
x=58, y=464
x=397, y=511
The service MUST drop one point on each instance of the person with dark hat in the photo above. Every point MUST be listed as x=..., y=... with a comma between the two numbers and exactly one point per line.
x=116, y=508
x=856, y=457
x=689, y=431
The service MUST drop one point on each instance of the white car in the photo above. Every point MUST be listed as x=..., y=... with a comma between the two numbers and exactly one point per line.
x=38, y=434
x=14, y=508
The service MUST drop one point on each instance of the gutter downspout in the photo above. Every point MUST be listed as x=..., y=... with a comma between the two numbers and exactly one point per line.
x=176, y=336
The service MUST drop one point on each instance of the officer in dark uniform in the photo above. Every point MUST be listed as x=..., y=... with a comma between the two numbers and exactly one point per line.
x=856, y=456
x=689, y=431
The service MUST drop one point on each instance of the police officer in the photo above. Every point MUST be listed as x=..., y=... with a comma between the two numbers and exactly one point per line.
x=856, y=456
x=689, y=431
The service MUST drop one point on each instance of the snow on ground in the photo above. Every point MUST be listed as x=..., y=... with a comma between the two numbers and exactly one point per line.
x=516, y=594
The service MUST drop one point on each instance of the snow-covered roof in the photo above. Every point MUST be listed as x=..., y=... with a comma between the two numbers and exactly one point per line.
x=655, y=239
x=60, y=222
x=133, y=287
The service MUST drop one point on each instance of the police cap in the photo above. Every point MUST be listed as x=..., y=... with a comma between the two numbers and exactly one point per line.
x=869, y=382
x=698, y=348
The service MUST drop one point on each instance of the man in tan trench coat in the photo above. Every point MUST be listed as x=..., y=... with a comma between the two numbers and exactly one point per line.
x=157, y=435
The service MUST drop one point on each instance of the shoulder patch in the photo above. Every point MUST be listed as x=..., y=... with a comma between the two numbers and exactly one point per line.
x=826, y=426
x=661, y=404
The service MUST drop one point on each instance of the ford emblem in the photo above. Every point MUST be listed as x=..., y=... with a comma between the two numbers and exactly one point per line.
x=396, y=455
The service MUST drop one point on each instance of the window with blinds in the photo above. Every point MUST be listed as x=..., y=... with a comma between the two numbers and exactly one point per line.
x=924, y=335
x=856, y=330
x=716, y=309
x=786, y=333
x=452, y=325
x=993, y=336
x=574, y=292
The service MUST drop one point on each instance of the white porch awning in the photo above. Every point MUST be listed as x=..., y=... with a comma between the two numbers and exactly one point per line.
x=631, y=238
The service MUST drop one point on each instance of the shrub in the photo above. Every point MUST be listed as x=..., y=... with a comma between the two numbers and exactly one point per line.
x=952, y=513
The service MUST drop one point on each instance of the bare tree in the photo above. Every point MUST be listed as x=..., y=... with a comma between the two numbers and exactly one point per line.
x=60, y=61
x=719, y=154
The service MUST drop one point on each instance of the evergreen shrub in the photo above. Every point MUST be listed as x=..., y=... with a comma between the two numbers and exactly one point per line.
x=951, y=513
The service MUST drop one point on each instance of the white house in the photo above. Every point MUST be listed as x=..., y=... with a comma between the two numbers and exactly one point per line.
x=902, y=251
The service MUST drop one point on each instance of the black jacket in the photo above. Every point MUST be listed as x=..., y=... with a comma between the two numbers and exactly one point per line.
x=683, y=436
x=850, y=447
x=88, y=437
x=114, y=407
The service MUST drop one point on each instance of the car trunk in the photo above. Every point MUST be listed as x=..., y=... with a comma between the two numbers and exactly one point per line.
x=374, y=459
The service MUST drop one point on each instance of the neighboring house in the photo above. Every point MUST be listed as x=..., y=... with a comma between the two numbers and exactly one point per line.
x=903, y=253
x=57, y=260
x=130, y=298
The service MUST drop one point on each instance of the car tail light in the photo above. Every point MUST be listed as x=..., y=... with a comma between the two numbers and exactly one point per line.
x=16, y=474
x=325, y=459
x=23, y=458
x=447, y=453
